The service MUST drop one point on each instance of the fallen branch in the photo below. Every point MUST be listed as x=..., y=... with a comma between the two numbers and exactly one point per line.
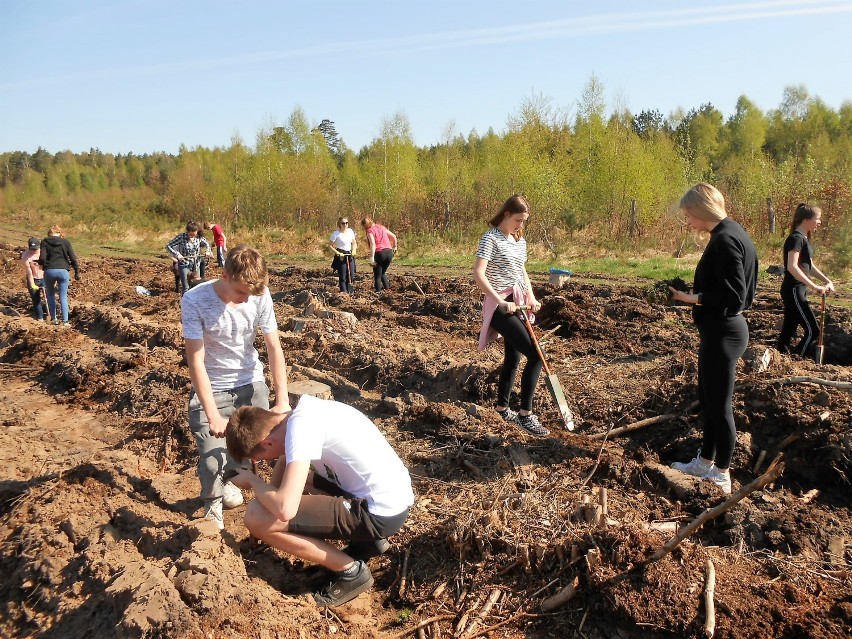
x=772, y=473
x=634, y=426
x=562, y=597
x=811, y=380
x=421, y=624
x=402, y=579
x=493, y=597
x=709, y=606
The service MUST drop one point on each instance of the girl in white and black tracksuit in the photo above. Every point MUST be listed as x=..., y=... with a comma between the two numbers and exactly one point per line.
x=725, y=283
x=798, y=268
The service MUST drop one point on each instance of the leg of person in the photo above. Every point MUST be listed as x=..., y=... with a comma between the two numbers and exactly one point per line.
x=377, y=275
x=50, y=289
x=184, y=270
x=350, y=281
x=202, y=268
x=383, y=261
x=341, y=274
x=729, y=342
x=35, y=297
x=220, y=256
x=517, y=335
x=62, y=283
x=792, y=319
x=809, y=322
x=319, y=517
x=212, y=453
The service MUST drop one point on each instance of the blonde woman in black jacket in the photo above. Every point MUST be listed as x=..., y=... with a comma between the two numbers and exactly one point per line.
x=58, y=258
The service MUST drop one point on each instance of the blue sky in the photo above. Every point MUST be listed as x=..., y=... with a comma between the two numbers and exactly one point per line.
x=146, y=76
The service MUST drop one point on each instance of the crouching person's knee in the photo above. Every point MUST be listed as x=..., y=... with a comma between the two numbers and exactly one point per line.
x=259, y=521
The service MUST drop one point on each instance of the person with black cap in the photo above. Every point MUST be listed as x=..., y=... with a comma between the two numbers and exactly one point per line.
x=35, y=275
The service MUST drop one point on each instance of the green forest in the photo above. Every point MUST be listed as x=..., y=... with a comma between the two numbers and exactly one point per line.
x=597, y=178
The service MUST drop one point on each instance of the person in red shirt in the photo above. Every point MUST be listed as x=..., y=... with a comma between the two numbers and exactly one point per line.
x=219, y=241
x=382, y=249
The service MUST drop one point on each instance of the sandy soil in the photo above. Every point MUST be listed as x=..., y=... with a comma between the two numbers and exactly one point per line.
x=98, y=491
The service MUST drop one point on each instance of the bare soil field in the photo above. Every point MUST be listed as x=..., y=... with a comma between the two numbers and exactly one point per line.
x=99, y=493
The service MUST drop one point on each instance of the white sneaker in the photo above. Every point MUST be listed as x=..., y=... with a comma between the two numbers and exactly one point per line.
x=214, y=513
x=696, y=467
x=722, y=480
x=232, y=496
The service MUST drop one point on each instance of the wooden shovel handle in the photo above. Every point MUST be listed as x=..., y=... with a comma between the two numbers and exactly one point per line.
x=525, y=317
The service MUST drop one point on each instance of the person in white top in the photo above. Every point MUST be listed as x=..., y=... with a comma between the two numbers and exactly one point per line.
x=220, y=321
x=330, y=448
x=344, y=244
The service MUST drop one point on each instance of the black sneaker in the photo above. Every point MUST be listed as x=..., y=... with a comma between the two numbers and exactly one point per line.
x=362, y=551
x=508, y=415
x=345, y=588
x=532, y=425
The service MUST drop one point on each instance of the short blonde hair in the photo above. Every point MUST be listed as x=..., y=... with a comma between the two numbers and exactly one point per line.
x=247, y=427
x=705, y=202
x=246, y=265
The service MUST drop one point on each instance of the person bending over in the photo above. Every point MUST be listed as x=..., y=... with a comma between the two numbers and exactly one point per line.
x=358, y=491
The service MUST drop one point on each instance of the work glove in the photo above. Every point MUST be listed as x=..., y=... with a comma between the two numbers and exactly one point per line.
x=372, y=261
x=34, y=288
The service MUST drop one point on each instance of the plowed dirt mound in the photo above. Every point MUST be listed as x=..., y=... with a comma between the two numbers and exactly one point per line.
x=98, y=491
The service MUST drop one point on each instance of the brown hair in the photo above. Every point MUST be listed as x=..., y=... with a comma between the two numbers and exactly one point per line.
x=54, y=231
x=367, y=222
x=246, y=265
x=705, y=202
x=247, y=427
x=514, y=205
x=192, y=225
x=804, y=212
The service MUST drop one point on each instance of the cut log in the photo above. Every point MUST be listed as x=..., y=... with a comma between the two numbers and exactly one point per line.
x=562, y=597
x=307, y=387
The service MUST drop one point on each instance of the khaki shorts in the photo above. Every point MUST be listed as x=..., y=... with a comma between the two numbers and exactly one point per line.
x=338, y=515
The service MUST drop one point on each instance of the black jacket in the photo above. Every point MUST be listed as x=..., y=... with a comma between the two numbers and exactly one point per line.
x=726, y=275
x=57, y=252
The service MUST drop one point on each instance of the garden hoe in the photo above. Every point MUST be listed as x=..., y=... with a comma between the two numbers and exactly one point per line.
x=553, y=384
x=820, y=349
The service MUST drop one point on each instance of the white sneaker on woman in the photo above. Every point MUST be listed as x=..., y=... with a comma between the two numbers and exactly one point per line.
x=696, y=467
x=721, y=479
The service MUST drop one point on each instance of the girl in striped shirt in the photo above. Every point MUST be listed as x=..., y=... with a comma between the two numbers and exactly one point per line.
x=500, y=273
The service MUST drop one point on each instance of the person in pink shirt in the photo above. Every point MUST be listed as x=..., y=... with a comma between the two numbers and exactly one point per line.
x=219, y=241
x=35, y=275
x=382, y=248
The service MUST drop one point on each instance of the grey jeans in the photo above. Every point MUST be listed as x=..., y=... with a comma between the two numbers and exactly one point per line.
x=212, y=454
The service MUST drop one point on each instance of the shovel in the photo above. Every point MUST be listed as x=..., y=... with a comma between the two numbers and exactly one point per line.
x=820, y=349
x=552, y=380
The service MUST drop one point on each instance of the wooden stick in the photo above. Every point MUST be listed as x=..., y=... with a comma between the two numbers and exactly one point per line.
x=811, y=380
x=634, y=426
x=759, y=461
x=493, y=597
x=709, y=606
x=421, y=624
x=772, y=473
x=562, y=597
x=404, y=573
x=417, y=286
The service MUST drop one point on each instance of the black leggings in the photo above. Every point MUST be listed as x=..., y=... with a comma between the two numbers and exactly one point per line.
x=517, y=342
x=723, y=341
x=383, y=261
x=797, y=312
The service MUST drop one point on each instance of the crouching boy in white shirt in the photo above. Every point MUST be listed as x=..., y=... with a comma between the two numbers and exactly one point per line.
x=358, y=489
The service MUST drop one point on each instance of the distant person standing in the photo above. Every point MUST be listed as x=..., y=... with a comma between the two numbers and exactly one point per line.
x=382, y=247
x=218, y=242
x=725, y=284
x=798, y=268
x=34, y=275
x=58, y=258
x=220, y=321
x=185, y=251
x=344, y=244
x=501, y=274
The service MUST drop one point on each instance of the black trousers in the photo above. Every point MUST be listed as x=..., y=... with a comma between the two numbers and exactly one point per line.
x=723, y=341
x=516, y=342
x=797, y=312
x=346, y=273
x=380, y=276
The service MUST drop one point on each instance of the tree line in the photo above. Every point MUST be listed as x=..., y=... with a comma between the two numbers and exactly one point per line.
x=610, y=177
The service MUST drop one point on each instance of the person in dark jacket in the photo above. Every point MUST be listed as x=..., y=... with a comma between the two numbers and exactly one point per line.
x=725, y=283
x=57, y=257
x=799, y=269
